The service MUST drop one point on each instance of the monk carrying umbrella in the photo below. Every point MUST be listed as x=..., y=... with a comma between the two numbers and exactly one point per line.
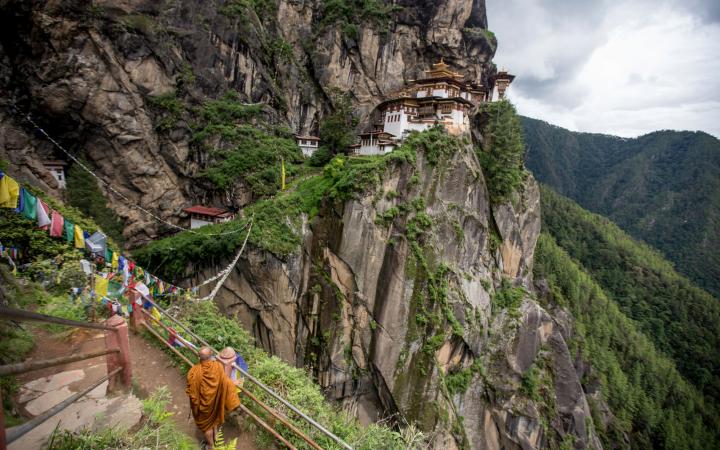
x=212, y=393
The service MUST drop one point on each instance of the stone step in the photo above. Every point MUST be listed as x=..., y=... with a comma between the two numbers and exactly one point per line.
x=94, y=411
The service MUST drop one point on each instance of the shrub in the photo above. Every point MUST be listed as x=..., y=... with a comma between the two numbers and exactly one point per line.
x=322, y=156
x=508, y=297
x=337, y=129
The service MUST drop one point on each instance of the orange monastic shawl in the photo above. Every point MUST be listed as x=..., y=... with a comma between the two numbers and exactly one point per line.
x=211, y=394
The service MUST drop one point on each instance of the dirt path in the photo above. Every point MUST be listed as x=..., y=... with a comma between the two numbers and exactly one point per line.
x=151, y=368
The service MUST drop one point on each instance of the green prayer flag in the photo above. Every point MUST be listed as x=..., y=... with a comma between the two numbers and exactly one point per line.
x=108, y=255
x=29, y=205
x=68, y=230
x=114, y=289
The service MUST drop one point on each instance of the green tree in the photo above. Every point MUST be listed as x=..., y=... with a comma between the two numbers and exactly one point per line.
x=84, y=193
x=337, y=129
x=502, y=152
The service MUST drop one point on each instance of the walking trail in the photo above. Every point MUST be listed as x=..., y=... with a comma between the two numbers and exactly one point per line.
x=151, y=367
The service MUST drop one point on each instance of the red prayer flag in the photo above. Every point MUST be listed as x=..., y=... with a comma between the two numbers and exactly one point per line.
x=43, y=219
x=56, y=224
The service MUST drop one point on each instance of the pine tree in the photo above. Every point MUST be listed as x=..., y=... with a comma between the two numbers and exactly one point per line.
x=502, y=153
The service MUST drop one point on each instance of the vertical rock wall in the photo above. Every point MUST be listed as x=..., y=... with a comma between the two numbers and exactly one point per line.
x=398, y=322
x=87, y=71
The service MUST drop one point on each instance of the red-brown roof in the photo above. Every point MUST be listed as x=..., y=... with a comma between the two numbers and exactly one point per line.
x=309, y=138
x=207, y=211
x=54, y=163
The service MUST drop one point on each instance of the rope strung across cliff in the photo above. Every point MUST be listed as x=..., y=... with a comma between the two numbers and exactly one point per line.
x=129, y=202
x=226, y=272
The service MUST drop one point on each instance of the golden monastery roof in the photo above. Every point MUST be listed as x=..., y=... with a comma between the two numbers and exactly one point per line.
x=440, y=70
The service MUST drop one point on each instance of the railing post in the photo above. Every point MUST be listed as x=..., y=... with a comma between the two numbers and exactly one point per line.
x=3, y=445
x=137, y=318
x=118, y=338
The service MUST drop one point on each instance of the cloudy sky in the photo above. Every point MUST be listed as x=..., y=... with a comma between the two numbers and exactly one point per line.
x=624, y=67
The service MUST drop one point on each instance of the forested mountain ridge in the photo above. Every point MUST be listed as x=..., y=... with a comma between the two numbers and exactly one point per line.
x=682, y=320
x=663, y=187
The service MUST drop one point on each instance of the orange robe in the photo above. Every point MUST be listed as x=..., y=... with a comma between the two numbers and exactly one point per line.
x=211, y=393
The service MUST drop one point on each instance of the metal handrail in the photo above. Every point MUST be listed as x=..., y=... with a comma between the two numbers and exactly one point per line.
x=8, y=436
x=19, y=314
x=257, y=419
x=17, y=432
x=279, y=416
x=12, y=369
x=257, y=382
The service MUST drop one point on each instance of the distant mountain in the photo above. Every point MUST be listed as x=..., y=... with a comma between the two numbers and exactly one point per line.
x=663, y=188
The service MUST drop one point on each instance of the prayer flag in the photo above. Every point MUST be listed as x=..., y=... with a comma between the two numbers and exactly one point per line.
x=29, y=205
x=20, y=201
x=282, y=174
x=56, y=224
x=43, y=219
x=114, y=263
x=9, y=192
x=69, y=230
x=142, y=289
x=96, y=243
x=79, y=238
x=155, y=313
x=101, y=286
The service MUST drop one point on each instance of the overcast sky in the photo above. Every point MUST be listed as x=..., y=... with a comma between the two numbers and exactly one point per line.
x=623, y=67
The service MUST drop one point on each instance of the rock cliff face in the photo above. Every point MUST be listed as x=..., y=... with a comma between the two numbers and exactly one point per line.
x=87, y=70
x=415, y=301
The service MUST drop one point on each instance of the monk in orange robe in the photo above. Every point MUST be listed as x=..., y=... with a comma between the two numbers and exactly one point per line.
x=212, y=393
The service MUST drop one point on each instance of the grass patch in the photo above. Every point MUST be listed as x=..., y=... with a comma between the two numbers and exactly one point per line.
x=157, y=431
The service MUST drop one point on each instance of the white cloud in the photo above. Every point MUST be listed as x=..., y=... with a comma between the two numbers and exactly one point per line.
x=623, y=68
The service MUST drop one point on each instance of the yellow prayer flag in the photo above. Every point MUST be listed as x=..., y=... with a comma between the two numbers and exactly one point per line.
x=9, y=192
x=114, y=263
x=282, y=174
x=155, y=313
x=79, y=238
x=101, y=286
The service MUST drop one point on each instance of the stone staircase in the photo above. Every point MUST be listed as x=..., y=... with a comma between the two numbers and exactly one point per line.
x=94, y=411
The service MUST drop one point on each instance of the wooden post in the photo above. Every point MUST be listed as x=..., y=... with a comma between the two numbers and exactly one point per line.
x=91, y=312
x=3, y=446
x=137, y=318
x=118, y=338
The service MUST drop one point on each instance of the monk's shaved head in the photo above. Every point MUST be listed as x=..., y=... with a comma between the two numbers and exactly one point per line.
x=205, y=353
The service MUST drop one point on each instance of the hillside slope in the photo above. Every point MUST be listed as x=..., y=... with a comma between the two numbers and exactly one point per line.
x=663, y=188
x=682, y=320
x=636, y=395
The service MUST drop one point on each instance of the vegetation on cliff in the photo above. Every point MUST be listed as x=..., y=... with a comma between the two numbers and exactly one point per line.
x=502, y=151
x=241, y=146
x=84, y=194
x=663, y=188
x=278, y=220
x=649, y=400
x=682, y=320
